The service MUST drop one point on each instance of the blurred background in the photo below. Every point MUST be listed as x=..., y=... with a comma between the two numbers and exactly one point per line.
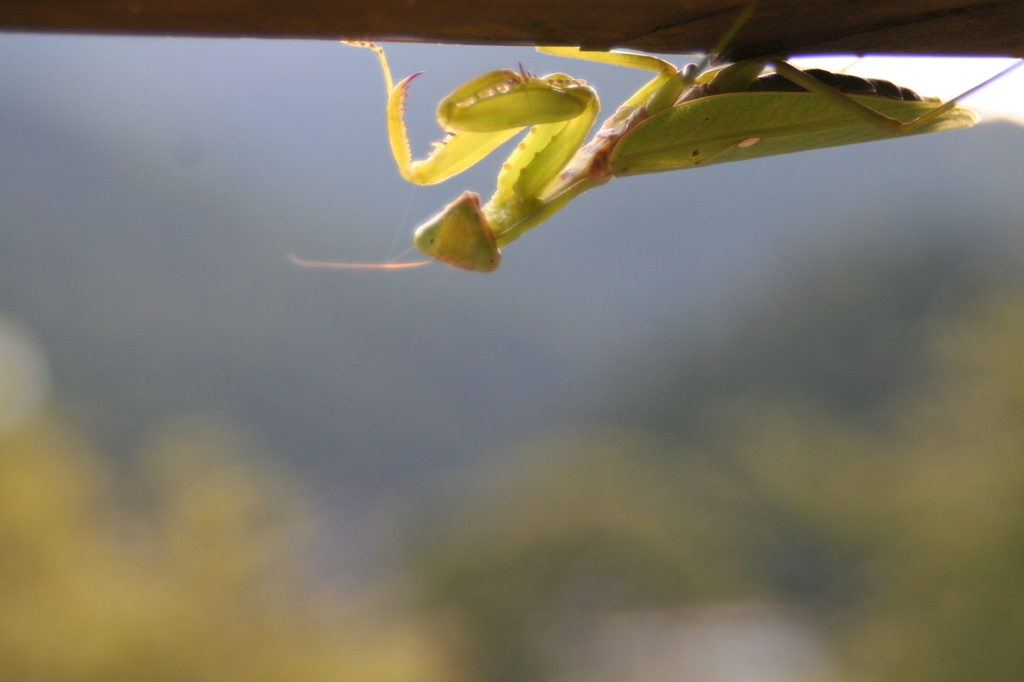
x=761, y=421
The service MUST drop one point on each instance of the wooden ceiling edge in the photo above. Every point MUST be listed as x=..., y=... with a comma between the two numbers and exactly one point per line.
x=988, y=28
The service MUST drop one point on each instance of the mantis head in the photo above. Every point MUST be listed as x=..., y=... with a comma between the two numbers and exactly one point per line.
x=460, y=235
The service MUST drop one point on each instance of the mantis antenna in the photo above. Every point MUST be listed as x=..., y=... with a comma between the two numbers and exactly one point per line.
x=302, y=262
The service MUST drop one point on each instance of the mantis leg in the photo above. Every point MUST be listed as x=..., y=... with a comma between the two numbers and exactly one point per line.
x=479, y=116
x=457, y=152
x=667, y=71
x=663, y=90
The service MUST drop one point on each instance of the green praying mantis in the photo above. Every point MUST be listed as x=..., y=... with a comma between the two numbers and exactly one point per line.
x=682, y=118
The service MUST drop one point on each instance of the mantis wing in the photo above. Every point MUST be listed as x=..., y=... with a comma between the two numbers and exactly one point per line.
x=741, y=126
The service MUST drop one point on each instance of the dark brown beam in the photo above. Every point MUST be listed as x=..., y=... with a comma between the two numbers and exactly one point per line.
x=779, y=26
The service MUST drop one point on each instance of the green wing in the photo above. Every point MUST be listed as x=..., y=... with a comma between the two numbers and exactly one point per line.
x=740, y=126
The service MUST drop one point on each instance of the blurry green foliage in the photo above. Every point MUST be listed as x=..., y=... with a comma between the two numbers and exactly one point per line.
x=935, y=507
x=900, y=527
x=196, y=570
x=843, y=331
x=578, y=524
x=890, y=508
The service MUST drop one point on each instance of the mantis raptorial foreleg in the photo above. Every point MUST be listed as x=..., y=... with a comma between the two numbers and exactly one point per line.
x=454, y=154
x=478, y=116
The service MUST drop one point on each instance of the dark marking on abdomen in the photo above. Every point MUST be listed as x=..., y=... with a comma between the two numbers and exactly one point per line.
x=843, y=82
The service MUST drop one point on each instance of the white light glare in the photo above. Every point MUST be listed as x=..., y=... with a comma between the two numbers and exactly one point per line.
x=943, y=77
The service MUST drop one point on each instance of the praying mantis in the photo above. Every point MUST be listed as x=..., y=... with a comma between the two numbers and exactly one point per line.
x=682, y=118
